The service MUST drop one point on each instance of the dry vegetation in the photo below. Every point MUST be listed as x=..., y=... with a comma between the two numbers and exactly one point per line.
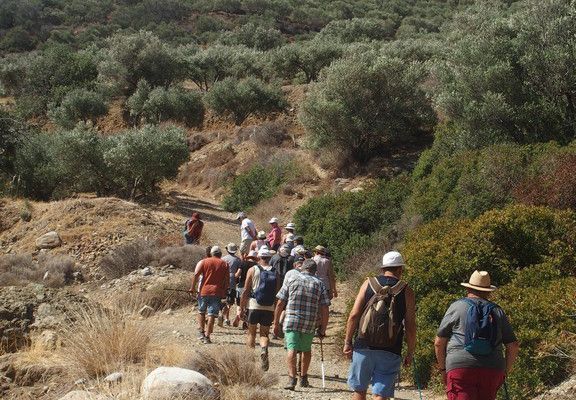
x=51, y=270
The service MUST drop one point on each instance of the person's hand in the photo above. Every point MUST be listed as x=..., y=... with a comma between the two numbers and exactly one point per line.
x=347, y=350
x=408, y=359
x=335, y=294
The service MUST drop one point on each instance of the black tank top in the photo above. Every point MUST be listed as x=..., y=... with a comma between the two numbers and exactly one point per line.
x=399, y=315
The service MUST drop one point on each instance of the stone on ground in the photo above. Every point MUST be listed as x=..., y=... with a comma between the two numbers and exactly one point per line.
x=165, y=383
x=84, y=395
x=49, y=240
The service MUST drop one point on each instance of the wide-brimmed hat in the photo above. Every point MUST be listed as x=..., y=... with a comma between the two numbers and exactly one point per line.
x=392, y=259
x=265, y=252
x=480, y=280
x=215, y=250
x=284, y=250
x=261, y=235
x=231, y=248
x=241, y=215
x=290, y=225
x=273, y=220
x=320, y=249
x=253, y=255
x=290, y=238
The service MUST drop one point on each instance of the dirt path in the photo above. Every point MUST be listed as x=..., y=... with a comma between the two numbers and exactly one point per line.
x=180, y=327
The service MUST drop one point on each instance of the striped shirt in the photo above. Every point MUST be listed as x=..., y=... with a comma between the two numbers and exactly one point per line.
x=303, y=294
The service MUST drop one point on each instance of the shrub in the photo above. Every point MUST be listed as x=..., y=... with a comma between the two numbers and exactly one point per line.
x=254, y=36
x=78, y=105
x=306, y=58
x=127, y=258
x=140, y=159
x=228, y=368
x=247, y=392
x=345, y=222
x=529, y=252
x=104, y=341
x=270, y=133
x=159, y=104
x=359, y=29
x=53, y=271
x=363, y=105
x=243, y=98
x=184, y=257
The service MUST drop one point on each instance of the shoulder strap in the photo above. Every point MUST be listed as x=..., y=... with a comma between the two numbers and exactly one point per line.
x=374, y=284
x=398, y=287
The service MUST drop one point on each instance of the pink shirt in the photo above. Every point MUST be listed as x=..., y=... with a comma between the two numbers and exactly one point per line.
x=275, y=236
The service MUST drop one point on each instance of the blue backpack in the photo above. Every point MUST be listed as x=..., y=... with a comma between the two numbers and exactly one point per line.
x=265, y=293
x=481, y=328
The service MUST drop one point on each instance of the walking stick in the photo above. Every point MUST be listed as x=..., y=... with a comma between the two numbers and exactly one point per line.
x=416, y=380
x=322, y=365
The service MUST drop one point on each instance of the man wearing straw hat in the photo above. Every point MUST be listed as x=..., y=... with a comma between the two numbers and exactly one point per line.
x=470, y=341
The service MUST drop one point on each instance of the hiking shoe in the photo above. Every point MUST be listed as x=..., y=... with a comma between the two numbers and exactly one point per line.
x=291, y=384
x=264, y=362
x=304, y=381
x=220, y=321
x=227, y=322
x=201, y=335
x=206, y=340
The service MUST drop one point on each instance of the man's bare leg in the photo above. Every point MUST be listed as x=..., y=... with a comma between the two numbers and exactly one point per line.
x=251, y=341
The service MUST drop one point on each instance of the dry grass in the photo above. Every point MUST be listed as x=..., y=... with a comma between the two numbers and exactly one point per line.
x=127, y=258
x=103, y=341
x=158, y=297
x=51, y=270
x=184, y=257
x=246, y=392
x=228, y=368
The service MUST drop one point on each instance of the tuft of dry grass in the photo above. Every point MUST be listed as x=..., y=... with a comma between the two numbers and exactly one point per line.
x=127, y=258
x=157, y=297
x=247, y=392
x=228, y=368
x=51, y=270
x=102, y=341
x=184, y=257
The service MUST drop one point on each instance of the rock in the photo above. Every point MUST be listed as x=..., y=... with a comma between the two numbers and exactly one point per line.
x=49, y=240
x=167, y=312
x=166, y=383
x=357, y=189
x=146, y=311
x=114, y=377
x=84, y=395
x=81, y=381
x=146, y=271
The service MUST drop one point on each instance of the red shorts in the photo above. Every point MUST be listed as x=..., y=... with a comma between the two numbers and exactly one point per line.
x=473, y=383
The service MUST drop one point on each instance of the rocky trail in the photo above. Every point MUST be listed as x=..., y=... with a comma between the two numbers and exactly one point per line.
x=179, y=328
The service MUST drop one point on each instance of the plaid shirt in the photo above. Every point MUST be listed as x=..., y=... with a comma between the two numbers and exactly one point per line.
x=303, y=294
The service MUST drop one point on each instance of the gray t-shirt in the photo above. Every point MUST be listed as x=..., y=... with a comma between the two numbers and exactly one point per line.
x=233, y=265
x=453, y=326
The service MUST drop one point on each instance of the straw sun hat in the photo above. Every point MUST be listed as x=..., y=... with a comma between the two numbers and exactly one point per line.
x=480, y=280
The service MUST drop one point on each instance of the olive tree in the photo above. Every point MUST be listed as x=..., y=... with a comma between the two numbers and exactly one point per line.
x=362, y=105
x=78, y=105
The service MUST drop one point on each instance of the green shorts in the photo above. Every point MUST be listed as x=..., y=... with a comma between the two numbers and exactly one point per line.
x=298, y=341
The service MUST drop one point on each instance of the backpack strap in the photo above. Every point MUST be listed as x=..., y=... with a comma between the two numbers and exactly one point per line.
x=398, y=288
x=375, y=285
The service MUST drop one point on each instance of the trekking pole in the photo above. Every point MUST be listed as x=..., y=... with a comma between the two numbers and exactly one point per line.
x=177, y=290
x=416, y=380
x=322, y=365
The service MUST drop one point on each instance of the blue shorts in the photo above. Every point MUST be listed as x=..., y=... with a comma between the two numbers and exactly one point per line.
x=209, y=305
x=377, y=367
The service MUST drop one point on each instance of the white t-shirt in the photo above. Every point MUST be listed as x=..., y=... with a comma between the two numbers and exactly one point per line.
x=247, y=223
x=253, y=304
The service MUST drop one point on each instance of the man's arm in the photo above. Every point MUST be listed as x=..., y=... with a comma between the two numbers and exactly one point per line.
x=280, y=306
x=353, y=319
x=410, y=325
x=440, y=344
x=323, y=319
x=512, y=350
x=247, y=289
x=195, y=275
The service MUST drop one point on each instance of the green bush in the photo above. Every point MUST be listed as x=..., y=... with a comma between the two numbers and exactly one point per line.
x=359, y=29
x=159, y=104
x=243, y=98
x=254, y=36
x=530, y=254
x=361, y=106
x=346, y=222
x=258, y=183
x=78, y=105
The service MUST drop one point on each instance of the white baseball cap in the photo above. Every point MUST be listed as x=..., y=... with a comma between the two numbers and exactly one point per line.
x=215, y=250
x=241, y=215
x=290, y=225
x=392, y=259
x=265, y=252
x=273, y=220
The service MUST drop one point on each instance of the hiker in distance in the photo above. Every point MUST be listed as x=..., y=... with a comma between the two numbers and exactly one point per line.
x=302, y=297
x=247, y=233
x=193, y=230
x=470, y=341
x=215, y=281
x=383, y=313
x=325, y=271
x=259, y=297
x=234, y=263
x=274, y=237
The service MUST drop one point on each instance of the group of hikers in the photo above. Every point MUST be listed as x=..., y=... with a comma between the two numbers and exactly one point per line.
x=281, y=287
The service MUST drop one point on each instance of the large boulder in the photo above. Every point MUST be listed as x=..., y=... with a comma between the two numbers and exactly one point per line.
x=84, y=395
x=48, y=240
x=166, y=383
